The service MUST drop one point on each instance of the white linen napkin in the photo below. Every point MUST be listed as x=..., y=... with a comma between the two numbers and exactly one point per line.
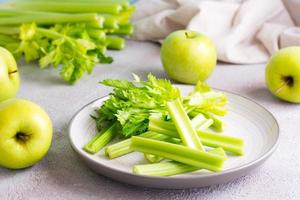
x=243, y=31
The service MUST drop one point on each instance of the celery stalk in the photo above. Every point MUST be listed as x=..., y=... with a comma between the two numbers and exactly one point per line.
x=126, y=29
x=5, y=39
x=11, y=12
x=217, y=124
x=101, y=139
x=68, y=7
x=198, y=120
x=178, y=153
x=123, y=147
x=98, y=24
x=114, y=42
x=9, y=30
x=111, y=23
x=96, y=34
x=152, y=158
x=205, y=124
x=228, y=143
x=162, y=130
x=45, y=19
x=170, y=168
x=187, y=133
x=124, y=3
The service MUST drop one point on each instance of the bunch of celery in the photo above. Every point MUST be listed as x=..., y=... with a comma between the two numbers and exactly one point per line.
x=71, y=35
x=171, y=130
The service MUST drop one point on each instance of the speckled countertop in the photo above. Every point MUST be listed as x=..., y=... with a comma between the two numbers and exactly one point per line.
x=61, y=175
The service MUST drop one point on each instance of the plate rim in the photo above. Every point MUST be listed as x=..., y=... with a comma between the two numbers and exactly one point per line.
x=210, y=175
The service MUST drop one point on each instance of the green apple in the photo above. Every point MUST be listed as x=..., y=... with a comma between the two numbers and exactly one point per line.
x=25, y=133
x=188, y=56
x=9, y=75
x=283, y=74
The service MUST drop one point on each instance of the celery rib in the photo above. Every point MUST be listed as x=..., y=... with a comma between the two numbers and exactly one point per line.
x=68, y=7
x=178, y=153
x=114, y=42
x=183, y=125
x=170, y=168
x=45, y=19
x=101, y=139
x=228, y=143
x=5, y=39
x=123, y=147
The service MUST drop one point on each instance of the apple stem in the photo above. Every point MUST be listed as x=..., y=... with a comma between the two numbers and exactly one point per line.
x=22, y=137
x=189, y=35
x=10, y=73
x=287, y=81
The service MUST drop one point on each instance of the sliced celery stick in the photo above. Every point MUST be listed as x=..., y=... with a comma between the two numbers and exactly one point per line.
x=123, y=147
x=228, y=143
x=183, y=125
x=178, y=153
x=170, y=168
x=101, y=139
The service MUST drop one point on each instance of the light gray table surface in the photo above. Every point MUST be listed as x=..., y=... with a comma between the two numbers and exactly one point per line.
x=61, y=175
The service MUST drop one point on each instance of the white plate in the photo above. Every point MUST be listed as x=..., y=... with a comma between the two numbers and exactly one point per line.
x=246, y=119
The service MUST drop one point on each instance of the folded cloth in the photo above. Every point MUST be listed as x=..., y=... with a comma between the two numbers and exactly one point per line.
x=243, y=31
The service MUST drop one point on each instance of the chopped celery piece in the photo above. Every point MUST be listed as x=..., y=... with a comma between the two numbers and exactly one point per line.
x=126, y=29
x=217, y=124
x=111, y=23
x=68, y=7
x=5, y=39
x=125, y=3
x=198, y=120
x=96, y=34
x=178, y=153
x=123, y=147
x=101, y=139
x=9, y=30
x=46, y=19
x=187, y=133
x=228, y=143
x=114, y=42
x=205, y=124
x=152, y=158
x=12, y=12
x=170, y=168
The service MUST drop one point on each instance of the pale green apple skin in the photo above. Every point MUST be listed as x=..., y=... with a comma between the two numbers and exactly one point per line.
x=188, y=59
x=284, y=63
x=18, y=115
x=9, y=82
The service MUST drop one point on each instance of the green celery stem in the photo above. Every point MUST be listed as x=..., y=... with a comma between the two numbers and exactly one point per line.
x=5, y=39
x=178, y=153
x=170, y=168
x=9, y=30
x=68, y=7
x=111, y=23
x=12, y=12
x=152, y=158
x=45, y=19
x=228, y=143
x=124, y=29
x=124, y=3
x=123, y=147
x=96, y=34
x=114, y=42
x=99, y=141
x=183, y=125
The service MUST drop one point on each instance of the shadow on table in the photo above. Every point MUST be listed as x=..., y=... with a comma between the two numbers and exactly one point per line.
x=44, y=77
